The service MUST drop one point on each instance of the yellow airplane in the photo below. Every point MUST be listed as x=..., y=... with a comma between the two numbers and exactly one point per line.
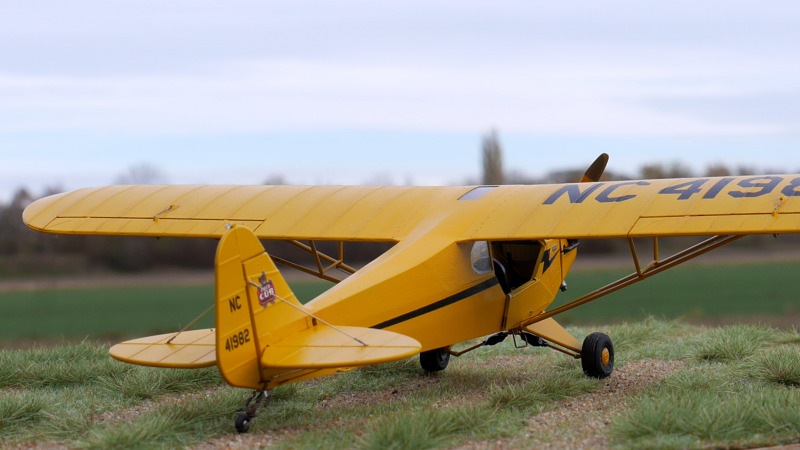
x=467, y=262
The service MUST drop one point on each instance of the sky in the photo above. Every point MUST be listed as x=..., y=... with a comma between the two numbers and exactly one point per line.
x=364, y=92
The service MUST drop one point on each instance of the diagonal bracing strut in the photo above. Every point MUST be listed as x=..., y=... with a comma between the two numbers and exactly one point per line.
x=653, y=268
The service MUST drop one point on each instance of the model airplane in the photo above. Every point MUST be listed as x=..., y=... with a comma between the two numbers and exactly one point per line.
x=467, y=262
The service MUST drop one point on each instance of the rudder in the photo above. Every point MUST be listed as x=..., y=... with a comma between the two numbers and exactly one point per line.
x=248, y=312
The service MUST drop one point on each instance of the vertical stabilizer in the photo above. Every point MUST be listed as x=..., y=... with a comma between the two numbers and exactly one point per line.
x=251, y=307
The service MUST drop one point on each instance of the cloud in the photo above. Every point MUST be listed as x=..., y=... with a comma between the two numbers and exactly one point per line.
x=777, y=110
x=556, y=92
x=622, y=68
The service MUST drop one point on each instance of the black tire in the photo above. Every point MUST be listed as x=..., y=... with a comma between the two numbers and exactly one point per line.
x=597, y=355
x=434, y=360
x=242, y=422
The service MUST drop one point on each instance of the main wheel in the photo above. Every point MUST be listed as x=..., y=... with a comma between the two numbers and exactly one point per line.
x=597, y=355
x=434, y=360
x=242, y=422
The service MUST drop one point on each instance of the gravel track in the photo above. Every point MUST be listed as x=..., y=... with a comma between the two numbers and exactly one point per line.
x=578, y=422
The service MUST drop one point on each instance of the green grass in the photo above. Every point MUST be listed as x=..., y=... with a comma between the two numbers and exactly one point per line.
x=113, y=312
x=739, y=389
x=695, y=292
x=76, y=396
x=61, y=393
x=426, y=428
x=778, y=365
x=710, y=406
x=733, y=343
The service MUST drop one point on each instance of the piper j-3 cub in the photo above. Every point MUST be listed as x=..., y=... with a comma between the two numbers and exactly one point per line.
x=467, y=262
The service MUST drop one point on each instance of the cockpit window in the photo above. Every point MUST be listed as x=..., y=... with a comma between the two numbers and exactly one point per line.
x=477, y=193
x=480, y=258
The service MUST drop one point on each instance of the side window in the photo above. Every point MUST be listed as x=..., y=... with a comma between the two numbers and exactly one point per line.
x=480, y=259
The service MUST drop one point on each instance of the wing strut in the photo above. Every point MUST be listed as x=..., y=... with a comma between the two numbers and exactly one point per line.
x=319, y=257
x=654, y=267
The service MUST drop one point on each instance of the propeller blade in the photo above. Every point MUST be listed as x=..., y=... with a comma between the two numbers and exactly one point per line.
x=595, y=171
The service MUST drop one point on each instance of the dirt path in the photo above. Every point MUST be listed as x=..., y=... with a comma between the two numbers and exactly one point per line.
x=579, y=422
x=582, y=422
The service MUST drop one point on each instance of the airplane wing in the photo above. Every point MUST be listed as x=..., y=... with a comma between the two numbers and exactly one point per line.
x=672, y=207
x=641, y=208
x=368, y=213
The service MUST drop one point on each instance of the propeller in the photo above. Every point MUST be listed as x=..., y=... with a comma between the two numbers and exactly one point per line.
x=595, y=171
x=593, y=174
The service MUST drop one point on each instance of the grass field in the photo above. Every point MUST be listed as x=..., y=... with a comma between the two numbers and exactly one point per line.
x=735, y=386
x=740, y=292
x=735, y=291
x=113, y=312
x=726, y=387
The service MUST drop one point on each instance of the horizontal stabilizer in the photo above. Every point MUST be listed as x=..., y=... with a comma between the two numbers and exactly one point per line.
x=189, y=349
x=322, y=347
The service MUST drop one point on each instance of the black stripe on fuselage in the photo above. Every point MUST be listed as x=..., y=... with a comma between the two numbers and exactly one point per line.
x=469, y=292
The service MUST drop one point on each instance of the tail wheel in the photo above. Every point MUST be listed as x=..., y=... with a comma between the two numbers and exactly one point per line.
x=434, y=360
x=242, y=422
x=597, y=355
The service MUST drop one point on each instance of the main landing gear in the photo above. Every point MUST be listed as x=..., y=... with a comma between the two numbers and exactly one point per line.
x=435, y=360
x=597, y=355
x=259, y=399
x=597, y=352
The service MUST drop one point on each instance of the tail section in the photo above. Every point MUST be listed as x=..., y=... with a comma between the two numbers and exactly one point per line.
x=254, y=305
x=265, y=337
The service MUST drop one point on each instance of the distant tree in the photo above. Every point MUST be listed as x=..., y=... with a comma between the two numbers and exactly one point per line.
x=492, y=160
x=746, y=170
x=717, y=170
x=143, y=173
x=275, y=180
x=565, y=176
x=14, y=235
x=660, y=170
x=519, y=177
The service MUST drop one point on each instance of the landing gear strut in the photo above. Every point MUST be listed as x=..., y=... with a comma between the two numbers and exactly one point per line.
x=259, y=399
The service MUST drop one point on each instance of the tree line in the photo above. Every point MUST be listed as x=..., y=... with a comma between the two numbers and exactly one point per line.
x=25, y=251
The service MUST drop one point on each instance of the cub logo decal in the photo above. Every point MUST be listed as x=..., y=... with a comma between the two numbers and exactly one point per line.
x=266, y=291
